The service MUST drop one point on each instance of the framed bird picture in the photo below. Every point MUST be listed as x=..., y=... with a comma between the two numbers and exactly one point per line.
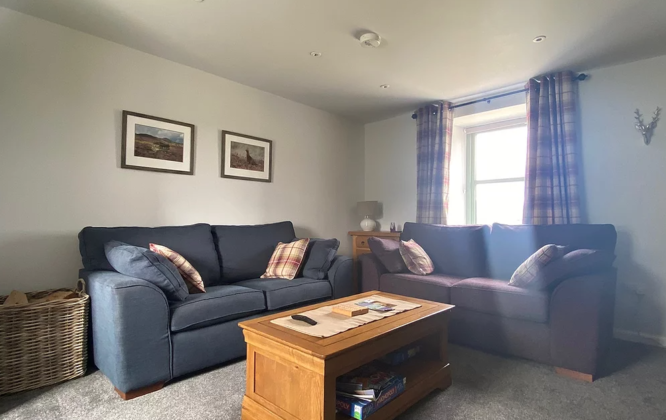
x=246, y=157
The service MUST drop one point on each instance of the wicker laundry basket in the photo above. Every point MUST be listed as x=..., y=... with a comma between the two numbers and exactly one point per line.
x=43, y=343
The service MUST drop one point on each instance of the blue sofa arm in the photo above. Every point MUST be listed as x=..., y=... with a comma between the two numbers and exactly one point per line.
x=340, y=277
x=130, y=327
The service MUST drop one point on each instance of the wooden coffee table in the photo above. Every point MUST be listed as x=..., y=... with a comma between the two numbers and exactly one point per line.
x=291, y=376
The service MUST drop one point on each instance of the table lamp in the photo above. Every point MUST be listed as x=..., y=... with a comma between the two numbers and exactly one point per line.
x=367, y=210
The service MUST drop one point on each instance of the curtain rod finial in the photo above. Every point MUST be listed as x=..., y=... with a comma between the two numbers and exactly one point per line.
x=414, y=116
x=582, y=76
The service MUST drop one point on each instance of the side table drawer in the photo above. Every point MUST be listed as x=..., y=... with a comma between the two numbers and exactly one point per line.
x=362, y=242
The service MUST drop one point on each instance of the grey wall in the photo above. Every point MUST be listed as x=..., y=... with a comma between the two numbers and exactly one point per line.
x=61, y=97
x=625, y=185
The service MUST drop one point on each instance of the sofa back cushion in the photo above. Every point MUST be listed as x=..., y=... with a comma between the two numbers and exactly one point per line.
x=194, y=243
x=510, y=245
x=454, y=250
x=244, y=251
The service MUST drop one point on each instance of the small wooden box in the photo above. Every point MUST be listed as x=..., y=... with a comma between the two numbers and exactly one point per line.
x=350, y=309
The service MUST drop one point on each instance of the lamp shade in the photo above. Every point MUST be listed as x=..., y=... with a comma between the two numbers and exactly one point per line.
x=367, y=208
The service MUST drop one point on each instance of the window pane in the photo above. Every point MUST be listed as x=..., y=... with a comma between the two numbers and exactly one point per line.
x=501, y=154
x=500, y=203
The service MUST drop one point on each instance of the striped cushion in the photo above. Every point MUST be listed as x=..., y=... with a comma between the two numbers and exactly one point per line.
x=416, y=259
x=286, y=260
x=530, y=271
x=187, y=272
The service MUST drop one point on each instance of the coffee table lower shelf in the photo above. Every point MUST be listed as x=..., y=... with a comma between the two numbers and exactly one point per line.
x=423, y=377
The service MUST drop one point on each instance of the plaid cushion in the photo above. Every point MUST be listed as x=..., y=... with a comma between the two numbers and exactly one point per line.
x=530, y=271
x=416, y=259
x=187, y=272
x=286, y=260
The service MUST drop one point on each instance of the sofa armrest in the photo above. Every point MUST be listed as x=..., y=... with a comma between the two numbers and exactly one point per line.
x=340, y=276
x=371, y=270
x=581, y=320
x=130, y=328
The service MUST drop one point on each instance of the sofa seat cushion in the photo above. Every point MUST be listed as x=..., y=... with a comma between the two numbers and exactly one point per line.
x=281, y=293
x=435, y=287
x=218, y=304
x=497, y=297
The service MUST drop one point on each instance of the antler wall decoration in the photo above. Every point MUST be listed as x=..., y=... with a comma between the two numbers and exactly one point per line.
x=647, y=130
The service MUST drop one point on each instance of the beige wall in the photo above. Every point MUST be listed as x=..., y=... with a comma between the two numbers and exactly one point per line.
x=61, y=97
x=390, y=168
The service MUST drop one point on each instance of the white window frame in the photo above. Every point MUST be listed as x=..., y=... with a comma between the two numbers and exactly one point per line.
x=470, y=176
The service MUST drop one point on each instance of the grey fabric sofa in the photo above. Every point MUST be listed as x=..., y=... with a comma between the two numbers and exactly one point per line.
x=141, y=340
x=569, y=325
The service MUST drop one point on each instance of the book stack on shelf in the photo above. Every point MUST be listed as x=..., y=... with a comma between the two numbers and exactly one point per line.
x=365, y=390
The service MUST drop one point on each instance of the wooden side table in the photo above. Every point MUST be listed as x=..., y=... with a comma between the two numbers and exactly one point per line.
x=360, y=247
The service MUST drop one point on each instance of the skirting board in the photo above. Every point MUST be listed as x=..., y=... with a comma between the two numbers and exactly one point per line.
x=637, y=337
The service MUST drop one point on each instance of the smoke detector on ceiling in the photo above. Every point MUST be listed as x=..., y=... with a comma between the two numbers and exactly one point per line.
x=370, y=40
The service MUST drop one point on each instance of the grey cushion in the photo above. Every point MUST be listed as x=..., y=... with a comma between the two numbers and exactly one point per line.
x=509, y=245
x=194, y=242
x=576, y=263
x=218, y=304
x=319, y=257
x=455, y=250
x=387, y=252
x=246, y=250
x=281, y=293
x=134, y=261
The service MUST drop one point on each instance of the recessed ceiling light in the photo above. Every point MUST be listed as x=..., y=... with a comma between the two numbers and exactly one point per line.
x=384, y=86
x=539, y=39
x=315, y=54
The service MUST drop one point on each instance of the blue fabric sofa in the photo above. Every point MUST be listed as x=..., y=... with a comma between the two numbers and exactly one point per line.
x=141, y=340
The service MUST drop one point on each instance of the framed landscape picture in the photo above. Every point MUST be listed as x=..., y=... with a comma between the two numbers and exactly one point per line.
x=246, y=157
x=157, y=144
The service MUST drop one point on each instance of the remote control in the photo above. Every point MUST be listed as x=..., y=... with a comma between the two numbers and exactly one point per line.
x=304, y=319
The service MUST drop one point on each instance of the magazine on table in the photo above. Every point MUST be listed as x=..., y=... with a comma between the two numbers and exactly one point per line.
x=375, y=305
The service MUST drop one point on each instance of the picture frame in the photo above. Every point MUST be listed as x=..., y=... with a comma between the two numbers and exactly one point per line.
x=157, y=144
x=246, y=157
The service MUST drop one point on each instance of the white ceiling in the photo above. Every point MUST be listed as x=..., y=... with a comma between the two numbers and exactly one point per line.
x=433, y=49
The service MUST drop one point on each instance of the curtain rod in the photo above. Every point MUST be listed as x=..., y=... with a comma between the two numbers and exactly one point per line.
x=580, y=77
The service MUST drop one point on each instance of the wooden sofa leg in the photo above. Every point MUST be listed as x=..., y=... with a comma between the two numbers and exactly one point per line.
x=574, y=375
x=140, y=392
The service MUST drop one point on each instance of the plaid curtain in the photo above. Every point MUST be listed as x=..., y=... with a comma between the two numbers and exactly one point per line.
x=551, y=179
x=433, y=144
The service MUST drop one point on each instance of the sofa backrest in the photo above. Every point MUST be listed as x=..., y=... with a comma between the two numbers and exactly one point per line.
x=194, y=242
x=454, y=250
x=244, y=251
x=510, y=245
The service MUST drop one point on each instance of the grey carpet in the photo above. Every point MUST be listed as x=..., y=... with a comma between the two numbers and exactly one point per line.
x=485, y=387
